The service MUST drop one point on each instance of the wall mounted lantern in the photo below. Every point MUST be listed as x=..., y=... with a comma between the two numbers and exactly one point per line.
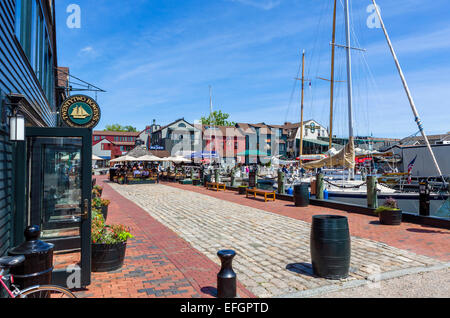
x=16, y=127
x=16, y=120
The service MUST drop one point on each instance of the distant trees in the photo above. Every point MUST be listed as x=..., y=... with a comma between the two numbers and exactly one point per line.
x=120, y=128
x=217, y=118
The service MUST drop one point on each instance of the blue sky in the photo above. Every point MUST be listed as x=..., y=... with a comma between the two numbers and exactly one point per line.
x=157, y=58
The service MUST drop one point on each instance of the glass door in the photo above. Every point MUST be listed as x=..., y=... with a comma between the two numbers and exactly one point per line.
x=59, y=198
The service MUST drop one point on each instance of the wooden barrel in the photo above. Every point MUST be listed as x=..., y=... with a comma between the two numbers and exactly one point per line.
x=301, y=195
x=108, y=257
x=330, y=246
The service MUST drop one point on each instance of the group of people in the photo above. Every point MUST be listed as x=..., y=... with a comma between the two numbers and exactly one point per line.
x=137, y=170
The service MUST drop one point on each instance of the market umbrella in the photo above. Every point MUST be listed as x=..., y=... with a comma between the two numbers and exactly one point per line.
x=179, y=160
x=149, y=158
x=94, y=157
x=125, y=159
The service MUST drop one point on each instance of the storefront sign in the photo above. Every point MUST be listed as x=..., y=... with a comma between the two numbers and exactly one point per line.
x=157, y=148
x=80, y=111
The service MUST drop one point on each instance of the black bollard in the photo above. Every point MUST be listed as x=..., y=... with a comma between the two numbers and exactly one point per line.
x=226, y=279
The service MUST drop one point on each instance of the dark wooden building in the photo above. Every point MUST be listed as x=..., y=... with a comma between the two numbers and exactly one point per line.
x=28, y=73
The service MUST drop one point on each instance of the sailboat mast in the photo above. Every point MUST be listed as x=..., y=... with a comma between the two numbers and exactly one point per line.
x=408, y=93
x=211, y=116
x=349, y=71
x=333, y=49
x=302, y=107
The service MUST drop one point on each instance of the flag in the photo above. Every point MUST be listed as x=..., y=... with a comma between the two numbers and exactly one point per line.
x=410, y=167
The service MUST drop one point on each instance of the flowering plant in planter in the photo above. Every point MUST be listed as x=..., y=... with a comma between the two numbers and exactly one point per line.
x=104, y=202
x=389, y=204
x=389, y=213
x=98, y=188
x=97, y=203
x=108, y=234
x=95, y=193
x=108, y=244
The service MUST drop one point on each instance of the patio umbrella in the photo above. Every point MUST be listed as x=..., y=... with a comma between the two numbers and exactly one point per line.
x=179, y=159
x=94, y=157
x=125, y=159
x=149, y=158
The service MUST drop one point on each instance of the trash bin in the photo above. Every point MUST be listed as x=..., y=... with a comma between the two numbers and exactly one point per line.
x=330, y=246
x=301, y=194
x=206, y=179
x=112, y=174
x=38, y=266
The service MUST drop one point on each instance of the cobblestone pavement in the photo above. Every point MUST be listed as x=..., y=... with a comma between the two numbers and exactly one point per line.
x=158, y=263
x=273, y=256
x=419, y=239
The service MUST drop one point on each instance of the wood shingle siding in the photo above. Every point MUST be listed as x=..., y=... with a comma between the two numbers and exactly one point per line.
x=17, y=76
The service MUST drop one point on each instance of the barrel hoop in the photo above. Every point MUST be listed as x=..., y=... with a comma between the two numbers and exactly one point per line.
x=34, y=274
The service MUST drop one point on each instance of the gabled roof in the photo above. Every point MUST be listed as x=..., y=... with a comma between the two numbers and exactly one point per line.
x=172, y=123
x=101, y=141
x=226, y=131
x=123, y=143
x=116, y=133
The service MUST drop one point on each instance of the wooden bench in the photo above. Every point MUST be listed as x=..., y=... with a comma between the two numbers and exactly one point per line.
x=216, y=186
x=268, y=195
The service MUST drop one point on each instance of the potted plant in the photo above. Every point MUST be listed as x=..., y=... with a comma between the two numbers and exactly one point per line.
x=95, y=193
x=389, y=213
x=109, y=244
x=121, y=180
x=104, y=207
x=242, y=189
x=99, y=189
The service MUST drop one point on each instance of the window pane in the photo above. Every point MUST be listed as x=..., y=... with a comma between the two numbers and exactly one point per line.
x=33, y=35
x=18, y=16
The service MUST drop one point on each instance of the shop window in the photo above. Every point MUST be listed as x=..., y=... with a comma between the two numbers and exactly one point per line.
x=33, y=37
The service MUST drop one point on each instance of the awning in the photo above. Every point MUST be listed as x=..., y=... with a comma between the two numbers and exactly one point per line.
x=317, y=142
x=252, y=153
x=94, y=157
x=204, y=155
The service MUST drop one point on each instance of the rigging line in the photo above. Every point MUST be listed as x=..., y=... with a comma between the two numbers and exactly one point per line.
x=315, y=48
x=292, y=95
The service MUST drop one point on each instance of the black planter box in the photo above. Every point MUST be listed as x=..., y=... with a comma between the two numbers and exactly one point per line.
x=105, y=211
x=391, y=217
x=242, y=190
x=108, y=257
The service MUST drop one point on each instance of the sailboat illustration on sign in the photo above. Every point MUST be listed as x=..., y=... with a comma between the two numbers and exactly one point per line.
x=79, y=113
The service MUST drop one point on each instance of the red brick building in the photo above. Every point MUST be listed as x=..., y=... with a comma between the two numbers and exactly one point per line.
x=111, y=144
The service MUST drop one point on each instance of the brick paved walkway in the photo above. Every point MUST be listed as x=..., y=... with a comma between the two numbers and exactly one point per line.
x=158, y=263
x=273, y=249
x=420, y=239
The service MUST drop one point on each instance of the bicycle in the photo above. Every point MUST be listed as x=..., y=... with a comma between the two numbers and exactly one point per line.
x=46, y=291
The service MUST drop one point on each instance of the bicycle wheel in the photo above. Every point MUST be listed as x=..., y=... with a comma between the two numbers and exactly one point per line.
x=46, y=292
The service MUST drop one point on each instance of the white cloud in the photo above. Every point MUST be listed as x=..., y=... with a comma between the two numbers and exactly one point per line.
x=87, y=50
x=261, y=4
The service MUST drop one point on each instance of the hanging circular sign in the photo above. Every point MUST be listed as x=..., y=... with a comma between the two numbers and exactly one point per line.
x=80, y=111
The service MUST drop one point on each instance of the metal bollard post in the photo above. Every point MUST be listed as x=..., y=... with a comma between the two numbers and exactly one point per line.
x=226, y=279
